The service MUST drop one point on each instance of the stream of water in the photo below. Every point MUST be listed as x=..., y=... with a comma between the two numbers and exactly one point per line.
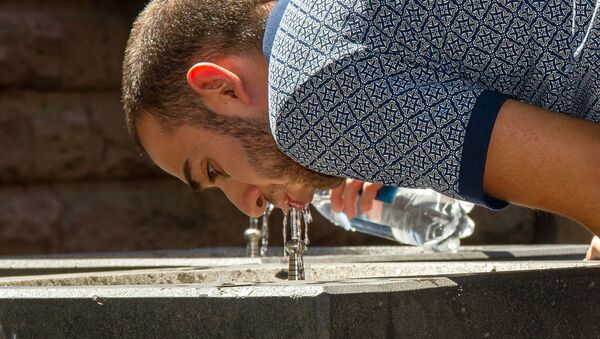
x=298, y=220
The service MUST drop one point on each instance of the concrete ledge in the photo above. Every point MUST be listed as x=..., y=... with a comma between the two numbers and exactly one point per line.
x=218, y=273
x=556, y=303
x=445, y=298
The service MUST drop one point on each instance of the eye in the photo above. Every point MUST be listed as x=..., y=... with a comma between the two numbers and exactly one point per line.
x=211, y=173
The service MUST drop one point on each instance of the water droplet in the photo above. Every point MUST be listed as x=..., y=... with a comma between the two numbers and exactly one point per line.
x=294, y=224
x=307, y=220
x=264, y=244
x=285, y=219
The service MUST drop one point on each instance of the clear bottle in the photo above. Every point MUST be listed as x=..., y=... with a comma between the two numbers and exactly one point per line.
x=419, y=217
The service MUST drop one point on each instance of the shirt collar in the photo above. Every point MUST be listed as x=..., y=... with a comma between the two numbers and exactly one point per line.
x=272, y=26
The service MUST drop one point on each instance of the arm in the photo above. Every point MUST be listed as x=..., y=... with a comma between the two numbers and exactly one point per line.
x=545, y=160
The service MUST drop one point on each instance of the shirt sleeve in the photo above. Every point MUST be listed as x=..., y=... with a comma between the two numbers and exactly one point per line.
x=475, y=148
x=380, y=119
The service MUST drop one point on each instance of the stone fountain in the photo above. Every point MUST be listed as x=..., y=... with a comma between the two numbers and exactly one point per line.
x=397, y=291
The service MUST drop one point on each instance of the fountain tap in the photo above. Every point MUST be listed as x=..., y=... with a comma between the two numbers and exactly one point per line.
x=296, y=246
x=295, y=249
x=253, y=236
x=258, y=239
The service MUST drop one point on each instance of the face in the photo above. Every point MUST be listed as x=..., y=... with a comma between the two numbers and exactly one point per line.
x=243, y=161
x=247, y=167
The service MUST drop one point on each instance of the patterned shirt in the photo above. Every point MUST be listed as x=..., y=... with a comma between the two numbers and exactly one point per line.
x=406, y=92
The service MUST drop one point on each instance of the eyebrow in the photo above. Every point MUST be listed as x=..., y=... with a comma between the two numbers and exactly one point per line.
x=188, y=176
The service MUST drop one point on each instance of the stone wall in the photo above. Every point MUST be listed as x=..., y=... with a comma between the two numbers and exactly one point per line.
x=70, y=179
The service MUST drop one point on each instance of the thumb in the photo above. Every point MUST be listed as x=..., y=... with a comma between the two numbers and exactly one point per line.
x=593, y=252
x=588, y=255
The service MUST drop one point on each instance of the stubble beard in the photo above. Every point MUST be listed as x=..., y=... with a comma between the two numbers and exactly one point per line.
x=269, y=162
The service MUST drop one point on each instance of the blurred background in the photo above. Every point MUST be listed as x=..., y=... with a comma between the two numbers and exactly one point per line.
x=70, y=179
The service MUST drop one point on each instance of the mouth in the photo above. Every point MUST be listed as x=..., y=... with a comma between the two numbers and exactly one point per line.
x=291, y=203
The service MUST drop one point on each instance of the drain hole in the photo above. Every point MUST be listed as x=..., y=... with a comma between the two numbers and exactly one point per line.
x=283, y=274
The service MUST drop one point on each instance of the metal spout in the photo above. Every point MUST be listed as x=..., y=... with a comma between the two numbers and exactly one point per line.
x=252, y=235
x=297, y=245
x=295, y=249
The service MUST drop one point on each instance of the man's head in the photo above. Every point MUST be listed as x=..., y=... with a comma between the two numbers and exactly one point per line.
x=195, y=99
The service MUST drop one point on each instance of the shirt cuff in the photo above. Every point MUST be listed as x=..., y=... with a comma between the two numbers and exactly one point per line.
x=475, y=148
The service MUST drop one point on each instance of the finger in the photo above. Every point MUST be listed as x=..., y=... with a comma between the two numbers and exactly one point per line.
x=593, y=252
x=368, y=196
x=335, y=196
x=351, y=196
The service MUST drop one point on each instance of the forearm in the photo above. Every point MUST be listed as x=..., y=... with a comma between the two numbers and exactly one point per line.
x=545, y=160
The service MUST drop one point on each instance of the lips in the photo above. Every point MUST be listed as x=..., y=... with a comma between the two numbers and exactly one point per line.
x=295, y=203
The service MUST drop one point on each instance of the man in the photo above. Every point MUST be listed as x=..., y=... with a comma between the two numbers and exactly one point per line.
x=457, y=96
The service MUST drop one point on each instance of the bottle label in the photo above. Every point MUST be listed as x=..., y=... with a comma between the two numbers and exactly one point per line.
x=372, y=222
x=387, y=194
x=365, y=226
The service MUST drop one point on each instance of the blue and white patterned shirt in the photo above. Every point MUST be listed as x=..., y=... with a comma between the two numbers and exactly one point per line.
x=406, y=92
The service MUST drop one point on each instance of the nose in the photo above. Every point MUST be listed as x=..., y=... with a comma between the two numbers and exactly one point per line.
x=247, y=198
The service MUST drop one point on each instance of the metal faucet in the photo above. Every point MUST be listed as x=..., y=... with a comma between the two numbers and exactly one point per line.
x=296, y=246
x=295, y=249
x=258, y=239
x=252, y=235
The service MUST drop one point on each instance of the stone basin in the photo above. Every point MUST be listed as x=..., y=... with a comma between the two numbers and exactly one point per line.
x=225, y=265
x=352, y=292
x=271, y=273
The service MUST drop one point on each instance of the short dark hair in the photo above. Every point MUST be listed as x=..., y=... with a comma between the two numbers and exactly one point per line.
x=167, y=38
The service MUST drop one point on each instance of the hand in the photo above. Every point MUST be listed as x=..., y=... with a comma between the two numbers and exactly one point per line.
x=344, y=197
x=593, y=252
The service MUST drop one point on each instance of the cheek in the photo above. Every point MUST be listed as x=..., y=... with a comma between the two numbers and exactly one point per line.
x=275, y=193
x=243, y=171
x=235, y=162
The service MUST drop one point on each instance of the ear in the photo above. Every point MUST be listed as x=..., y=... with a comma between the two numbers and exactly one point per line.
x=212, y=81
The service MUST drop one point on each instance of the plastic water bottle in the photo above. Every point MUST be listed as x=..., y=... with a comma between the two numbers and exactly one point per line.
x=419, y=217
